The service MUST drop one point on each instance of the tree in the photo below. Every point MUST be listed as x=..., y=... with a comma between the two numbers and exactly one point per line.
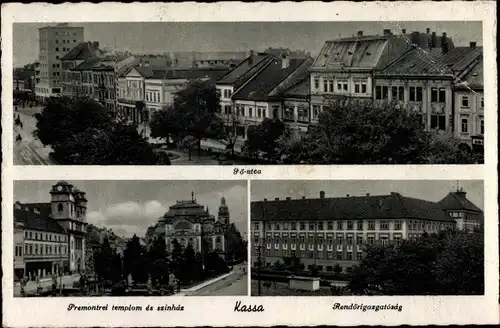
x=176, y=258
x=106, y=263
x=265, y=138
x=236, y=248
x=192, y=114
x=371, y=132
x=80, y=131
x=440, y=264
x=134, y=260
x=228, y=130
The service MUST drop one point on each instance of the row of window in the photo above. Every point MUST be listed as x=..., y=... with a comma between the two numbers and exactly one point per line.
x=438, y=95
x=332, y=225
x=464, y=126
x=349, y=256
x=36, y=249
x=153, y=96
x=320, y=240
x=260, y=112
x=302, y=114
x=65, y=41
x=47, y=236
x=465, y=102
x=342, y=86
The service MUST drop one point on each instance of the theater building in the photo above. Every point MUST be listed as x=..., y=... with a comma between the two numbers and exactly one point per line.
x=53, y=233
x=335, y=231
x=190, y=223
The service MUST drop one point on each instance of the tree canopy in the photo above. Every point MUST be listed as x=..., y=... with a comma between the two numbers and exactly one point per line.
x=193, y=114
x=370, y=132
x=448, y=263
x=81, y=131
x=264, y=138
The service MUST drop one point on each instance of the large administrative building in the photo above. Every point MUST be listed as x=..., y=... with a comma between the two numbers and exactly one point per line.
x=50, y=237
x=333, y=231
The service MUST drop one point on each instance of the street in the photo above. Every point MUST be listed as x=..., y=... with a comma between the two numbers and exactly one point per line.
x=30, y=150
x=46, y=284
x=235, y=284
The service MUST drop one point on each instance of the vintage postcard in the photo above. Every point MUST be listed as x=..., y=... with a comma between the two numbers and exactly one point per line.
x=252, y=153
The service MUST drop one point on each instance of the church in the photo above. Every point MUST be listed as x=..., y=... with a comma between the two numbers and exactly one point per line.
x=190, y=223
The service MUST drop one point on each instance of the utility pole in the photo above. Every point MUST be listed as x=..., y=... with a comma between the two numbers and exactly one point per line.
x=259, y=262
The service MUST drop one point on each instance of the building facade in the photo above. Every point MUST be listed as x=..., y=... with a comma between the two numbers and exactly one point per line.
x=468, y=93
x=54, y=42
x=53, y=233
x=424, y=82
x=190, y=223
x=335, y=231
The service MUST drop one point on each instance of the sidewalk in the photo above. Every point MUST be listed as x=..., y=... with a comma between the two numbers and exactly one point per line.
x=206, y=283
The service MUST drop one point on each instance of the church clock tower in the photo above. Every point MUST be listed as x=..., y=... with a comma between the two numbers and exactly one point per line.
x=223, y=215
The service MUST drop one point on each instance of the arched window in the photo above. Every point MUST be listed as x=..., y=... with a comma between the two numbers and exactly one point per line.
x=59, y=207
x=218, y=239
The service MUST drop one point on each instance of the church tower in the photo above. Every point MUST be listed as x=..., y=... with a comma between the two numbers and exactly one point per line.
x=223, y=215
x=69, y=209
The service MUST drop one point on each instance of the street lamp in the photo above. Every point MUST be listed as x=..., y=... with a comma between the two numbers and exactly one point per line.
x=258, y=248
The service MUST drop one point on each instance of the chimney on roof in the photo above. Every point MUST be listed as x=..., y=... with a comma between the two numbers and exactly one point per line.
x=348, y=195
x=444, y=43
x=433, y=40
x=250, y=58
x=303, y=197
x=367, y=194
x=387, y=32
x=265, y=199
x=95, y=45
x=403, y=31
x=288, y=198
x=322, y=194
x=428, y=30
x=414, y=37
x=276, y=198
x=285, y=61
x=461, y=193
x=360, y=33
x=473, y=44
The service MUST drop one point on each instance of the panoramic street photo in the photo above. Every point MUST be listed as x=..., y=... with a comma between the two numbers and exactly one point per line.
x=367, y=237
x=130, y=238
x=189, y=93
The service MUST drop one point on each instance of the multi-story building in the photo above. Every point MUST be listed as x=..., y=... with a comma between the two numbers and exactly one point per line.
x=54, y=42
x=334, y=231
x=18, y=250
x=54, y=232
x=468, y=107
x=131, y=92
x=423, y=81
x=71, y=75
x=163, y=84
x=190, y=223
x=346, y=67
x=295, y=105
x=24, y=80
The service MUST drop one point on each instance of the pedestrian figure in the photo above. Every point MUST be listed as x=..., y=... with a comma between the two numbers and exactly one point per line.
x=21, y=124
x=23, y=283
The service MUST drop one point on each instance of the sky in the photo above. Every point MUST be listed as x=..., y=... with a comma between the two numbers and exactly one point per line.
x=160, y=37
x=130, y=207
x=431, y=190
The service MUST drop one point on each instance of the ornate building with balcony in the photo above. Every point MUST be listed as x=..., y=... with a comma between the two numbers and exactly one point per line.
x=190, y=223
x=53, y=233
x=334, y=231
x=425, y=80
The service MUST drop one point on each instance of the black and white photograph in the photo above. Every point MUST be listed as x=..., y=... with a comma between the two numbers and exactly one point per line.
x=190, y=93
x=130, y=238
x=367, y=237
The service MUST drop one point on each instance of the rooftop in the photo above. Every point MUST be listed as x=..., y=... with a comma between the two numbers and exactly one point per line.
x=458, y=201
x=393, y=206
x=472, y=78
x=420, y=62
x=245, y=70
x=259, y=87
x=191, y=73
x=34, y=221
x=83, y=51
x=300, y=89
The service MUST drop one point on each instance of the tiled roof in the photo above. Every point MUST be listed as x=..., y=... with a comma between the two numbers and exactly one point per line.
x=299, y=90
x=34, y=221
x=393, y=206
x=458, y=201
x=420, y=62
x=267, y=80
x=83, y=51
x=22, y=74
x=245, y=70
x=360, y=52
x=88, y=64
x=193, y=73
x=472, y=78
x=45, y=209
